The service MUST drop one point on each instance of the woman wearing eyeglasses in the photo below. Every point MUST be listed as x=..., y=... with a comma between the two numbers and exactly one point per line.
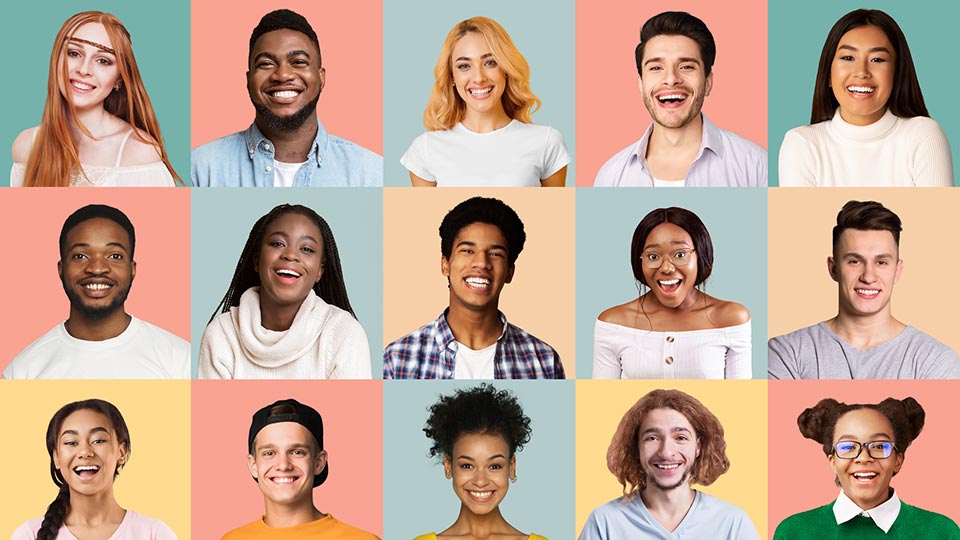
x=673, y=329
x=865, y=445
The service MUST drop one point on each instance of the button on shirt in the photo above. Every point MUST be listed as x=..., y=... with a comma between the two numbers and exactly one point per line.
x=725, y=159
x=430, y=353
x=883, y=515
x=246, y=159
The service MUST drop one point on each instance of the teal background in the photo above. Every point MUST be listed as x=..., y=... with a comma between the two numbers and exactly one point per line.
x=412, y=36
x=606, y=219
x=797, y=31
x=161, y=44
x=221, y=222
x=418, y=498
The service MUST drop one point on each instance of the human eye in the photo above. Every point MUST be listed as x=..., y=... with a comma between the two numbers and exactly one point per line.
x=466, y=466
x=265, y=64
x=115, y=256
x=299, y=452
x=844, y=447
x=69, y=443
x=654, y=68
x=78, y=256
x=73, y=53
x=267, y=453
x=462, y=66
x=681, y=254
x=652, y=257
x=878, y=59
x=490, y=63
x=688, y=67
x=104, y=61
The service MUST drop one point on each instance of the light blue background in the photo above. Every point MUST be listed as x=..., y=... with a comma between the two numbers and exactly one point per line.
x=161, y=43
x=418, y=498
x=798, y=30
x=606, y=219
x=221, y=222
x=413, y=34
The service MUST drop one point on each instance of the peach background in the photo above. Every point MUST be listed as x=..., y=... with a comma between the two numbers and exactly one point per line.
x=610, y=111
x=351, y=45
x=32, y=218
x=801, y=292
x=601, y=405
x=226, y=496
x=800, y=476
x=541, y=297
x=156, y=480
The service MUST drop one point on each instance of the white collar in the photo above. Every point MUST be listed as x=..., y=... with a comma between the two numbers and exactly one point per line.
x=883, y=516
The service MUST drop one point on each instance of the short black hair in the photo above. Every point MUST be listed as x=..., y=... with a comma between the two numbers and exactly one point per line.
x=483, y=210
x=283, y=19
x=93, y=211
x=482, y=410
x=867, y=216
x=678, y=23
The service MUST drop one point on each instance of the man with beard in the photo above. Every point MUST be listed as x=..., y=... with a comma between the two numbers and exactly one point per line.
x=665, y=443
x=681, y=147
x=286, y=145
x=100, y=340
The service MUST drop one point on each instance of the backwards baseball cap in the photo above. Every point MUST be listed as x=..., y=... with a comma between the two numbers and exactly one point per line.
x=302, y=414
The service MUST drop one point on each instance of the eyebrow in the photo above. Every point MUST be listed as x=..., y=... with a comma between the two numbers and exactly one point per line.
x=285, y=235
x=873, y=49
x=681, y=59
x=871, y=437
x=678, y=429
x=468, y=58
x=859, y=256
x=97, y=429
x=474, y=244
x=672, y=243
x=86, y=245
x=495, y=456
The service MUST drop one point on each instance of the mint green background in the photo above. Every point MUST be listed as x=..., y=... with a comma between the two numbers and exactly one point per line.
x=606, y=218
x=797, y=31
x=221, y=222
x=160, y=33
x=418, y=498
x=412, y=35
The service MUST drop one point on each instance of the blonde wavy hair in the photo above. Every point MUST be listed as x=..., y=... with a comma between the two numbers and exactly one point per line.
x=446, y=108
x=54, y=157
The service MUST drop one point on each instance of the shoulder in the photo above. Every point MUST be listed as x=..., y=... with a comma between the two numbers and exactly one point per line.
x=612, y=510
x=805, y=136
x=349, y=532
x=807, y=333
x=744, y=148
x=220, y=148
x=358, y=157
x=340, y=321
x=42, y=350
x=622, y=315
x=519, y=335
x=412, y=341
x=610, y=172
x=162, y=337
x=921, y=125
x=727, y=314
x=250, y=530
x=929, y=343
x=805, y=524
x=148, y=527
x=924, y=132
x=931, y=521
x=23, y=143
x=27, y=530
x=141, y=149
x=720, y=507
x=428, y=536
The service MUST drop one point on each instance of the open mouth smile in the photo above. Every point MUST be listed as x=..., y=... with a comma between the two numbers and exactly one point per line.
x=864, y=476
x=287, y=275
x=86, y=471
x=672, y=99
x=480, y=93
x=669, y=285
x=284, y=480
x=81, y=86
x=867, y=293
x=480, y=496
x=477, y=282
x=861, y=89
x=284, y=95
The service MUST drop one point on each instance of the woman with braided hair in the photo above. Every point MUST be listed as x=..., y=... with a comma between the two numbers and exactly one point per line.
x=89, y=443
x=865, y=445
x=286, y=314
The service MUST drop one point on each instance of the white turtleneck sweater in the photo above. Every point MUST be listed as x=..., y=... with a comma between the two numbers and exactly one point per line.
x=324, y=342
x=891, y=152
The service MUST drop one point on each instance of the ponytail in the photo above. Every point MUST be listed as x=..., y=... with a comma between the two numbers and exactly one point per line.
x=56, y=512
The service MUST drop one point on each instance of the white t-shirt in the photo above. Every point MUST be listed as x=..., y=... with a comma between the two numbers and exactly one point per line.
x=471, y=364
x=517, y=154
x=285, y=174
x=669, y=183
x=142, y=351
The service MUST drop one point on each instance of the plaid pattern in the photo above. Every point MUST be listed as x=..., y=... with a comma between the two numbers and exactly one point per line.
x=430, y=352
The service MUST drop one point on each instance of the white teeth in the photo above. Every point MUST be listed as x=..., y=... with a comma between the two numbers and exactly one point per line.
x=285, y=94
x=861, y=89
x=96, y=286
x=669, y=282
x=667, y=467
x=482, y=495
x=478, y=282
x=285, y=272
x=478, y=92
x=868, y=292
x=83, y=468
x=864, y=475
x=81, y=86
x=671, y=97
x=283, y=480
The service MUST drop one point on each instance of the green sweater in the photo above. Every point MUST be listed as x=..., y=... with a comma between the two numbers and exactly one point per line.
x=911, y=524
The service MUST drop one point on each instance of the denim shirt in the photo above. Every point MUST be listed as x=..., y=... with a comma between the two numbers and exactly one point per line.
x=245, y=159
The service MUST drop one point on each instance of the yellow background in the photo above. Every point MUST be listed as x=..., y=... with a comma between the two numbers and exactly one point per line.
x=741, y=407
x=156, y=480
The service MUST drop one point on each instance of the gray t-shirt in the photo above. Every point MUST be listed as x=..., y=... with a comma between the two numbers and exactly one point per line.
x=816, y=352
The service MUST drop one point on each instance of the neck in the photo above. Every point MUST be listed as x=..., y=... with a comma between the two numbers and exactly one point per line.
x=291, y=146
x=865, y=331
x=276, y=317
x=692, y=301
x=474, y=525
x=485, y=122
x=290, y=515
x=82, y=327
x=95, y=119
x=93, y=510
x=668, y=504
x=684, y=138
x=477, y=329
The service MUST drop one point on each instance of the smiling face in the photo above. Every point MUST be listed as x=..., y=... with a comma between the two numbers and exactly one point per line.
x=285, y=461
x=672, y=283
x=673, y=81
x=866, y=480
x=285, y=79
x=479, y=80
x=861, y=75
x=865, y=266
x=96, y=269
x=290, y=261
x=92, y=72
x=669, y=448
x=481, y=468
x=477, y=268
x=87, y=453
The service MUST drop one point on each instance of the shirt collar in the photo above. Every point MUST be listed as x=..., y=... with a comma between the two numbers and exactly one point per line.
x=883, y=515
x=255, y=139
x=710, y=139
x=445, y=335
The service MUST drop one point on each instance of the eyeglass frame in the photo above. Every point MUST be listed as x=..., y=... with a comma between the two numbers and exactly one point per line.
x=862, y=445
x=668, y=257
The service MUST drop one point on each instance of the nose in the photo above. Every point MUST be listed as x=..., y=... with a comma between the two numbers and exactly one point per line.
x=481, y=260
x=671, y=76
x=84, y=65
x=282, y=72
x=667, y=266
x=869, y=273
x=863, y=69
x=290, y=253
x=284, y=463
x=97, y=265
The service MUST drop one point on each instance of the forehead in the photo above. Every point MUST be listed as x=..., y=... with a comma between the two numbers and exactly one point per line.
x=284, y=435
x=863, y=423
x=472, y=44
x=98, y=231
x=866, y=242
x=280, y=42
x=668, y=46
x=668, y=234
x=92, y=31
x=866, y=37
x=478, y=445
x=84, y=420
x=666, y=420
x=481, y=234
x=292, y=222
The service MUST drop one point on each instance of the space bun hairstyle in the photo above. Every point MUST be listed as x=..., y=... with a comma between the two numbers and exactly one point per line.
x=905, y=415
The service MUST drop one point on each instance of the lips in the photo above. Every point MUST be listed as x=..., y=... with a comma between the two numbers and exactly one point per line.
x=480, y=496
x=868, y=294
x=97, y=287
x=864, y=476
x=672, y=98
x=86, y=471
x=284, y=480
x=480, y=92
x=284, y=94
x=475, y=282
x=81, y=86
x=287, y=276
x=669, y=286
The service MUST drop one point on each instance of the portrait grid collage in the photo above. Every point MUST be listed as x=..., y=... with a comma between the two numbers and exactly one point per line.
x=716, y=352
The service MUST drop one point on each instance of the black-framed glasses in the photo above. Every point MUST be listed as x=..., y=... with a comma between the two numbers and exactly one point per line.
x=654, y=260
x=852, y=449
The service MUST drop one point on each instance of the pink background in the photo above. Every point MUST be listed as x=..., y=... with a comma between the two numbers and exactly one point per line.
x=32, y=218
x=800, y=475
x=610, y=111
x=351, y=45
x=226, y=497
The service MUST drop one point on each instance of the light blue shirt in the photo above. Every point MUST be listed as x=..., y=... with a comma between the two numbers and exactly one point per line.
x=245, y=159
x=709, y=517
x=725, y=159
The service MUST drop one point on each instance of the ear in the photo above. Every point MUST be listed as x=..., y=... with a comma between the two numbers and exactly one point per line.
x=896, y=277
x=899, y=462
x=832, y=269
x=832, y=459
x=698, y=447
x=320, y=275
x=322, y=74
x=444, y=266
x=640, y=83
x=447, y=467
x=122, y=458
x=252, y=465
x=60, y=269
x=510, y=273
x=709, y=83
x=56, y=459
x=513, y=467
x=133, y=270
x=321, y=463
